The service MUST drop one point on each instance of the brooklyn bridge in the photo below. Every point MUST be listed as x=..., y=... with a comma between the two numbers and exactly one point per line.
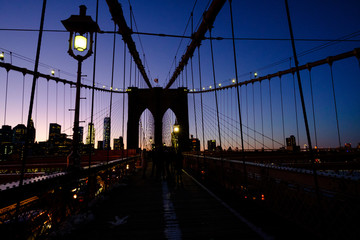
x=179, y=120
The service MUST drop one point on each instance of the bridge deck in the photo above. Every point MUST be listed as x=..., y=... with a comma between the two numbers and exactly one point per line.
x=156, y=209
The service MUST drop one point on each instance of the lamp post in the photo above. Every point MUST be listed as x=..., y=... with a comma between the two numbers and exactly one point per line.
x=80, y=27
x=176, y=130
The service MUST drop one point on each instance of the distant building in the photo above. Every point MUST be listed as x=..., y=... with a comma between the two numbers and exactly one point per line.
x=19, y=134
x=106, y=138
x=6, y=134
x=118, y=143
x=6, y=146
x=92, y=130
x=291, y=144
x=100, y=145
x=54, y=133
x=81, y=134
x=194, y=144
x=211, y=145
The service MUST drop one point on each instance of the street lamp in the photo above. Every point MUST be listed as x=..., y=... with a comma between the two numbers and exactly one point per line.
x=176, y=129
x=2, y=56
x=80, y=27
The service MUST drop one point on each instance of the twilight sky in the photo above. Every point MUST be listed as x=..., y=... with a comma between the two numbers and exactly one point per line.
x=258, y=19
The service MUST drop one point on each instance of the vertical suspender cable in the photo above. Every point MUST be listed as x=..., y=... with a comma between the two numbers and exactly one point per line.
x=64, y=107
x=193, y=87
x=303, y=103
x=262, y=117
x=238, y=93
x=282, y=111
x=123, y=107
x=313, y=106
x=216, y=100
x=247, y=116
x=6, y=93
x=111, y=90
x=336, y=111
x=296, y=115
x=56, y=114
x=93, y=90
x=47, y=109
x=22, y=103
x=31, y=106
x=253, y=95
x=271, y=117
x=201, y=102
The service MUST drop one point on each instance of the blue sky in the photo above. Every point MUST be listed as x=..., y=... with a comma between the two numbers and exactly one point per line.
x=252, y=19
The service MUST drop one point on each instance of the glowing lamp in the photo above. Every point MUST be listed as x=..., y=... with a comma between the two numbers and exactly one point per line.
x=219, y=84
x=53, y=72
x=2, y=56
x=80, y=43
x=80, y=26
x=255, y=74
x=176, y=128
x=233, y=81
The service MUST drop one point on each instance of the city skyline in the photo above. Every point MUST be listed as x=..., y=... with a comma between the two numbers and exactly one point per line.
x=314, y=22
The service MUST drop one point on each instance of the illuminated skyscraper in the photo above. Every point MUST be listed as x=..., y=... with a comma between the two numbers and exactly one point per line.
x=91, y=125
x=54, y=132
x=106, y=139
x=81, y=134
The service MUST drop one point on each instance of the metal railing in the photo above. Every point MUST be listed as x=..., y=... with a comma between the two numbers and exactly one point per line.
x=288, y=192
x=42, y=204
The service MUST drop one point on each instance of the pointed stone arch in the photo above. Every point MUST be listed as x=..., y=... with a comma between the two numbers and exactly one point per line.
x=158, y=101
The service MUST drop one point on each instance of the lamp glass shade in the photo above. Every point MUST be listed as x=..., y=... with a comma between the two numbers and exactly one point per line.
x=80, y=43
x=176, y=128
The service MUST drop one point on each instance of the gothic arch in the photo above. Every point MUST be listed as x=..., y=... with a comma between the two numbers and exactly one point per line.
x=157, y=100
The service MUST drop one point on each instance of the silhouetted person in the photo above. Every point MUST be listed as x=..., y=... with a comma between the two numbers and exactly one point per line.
x=145, y=162
x=178, y=169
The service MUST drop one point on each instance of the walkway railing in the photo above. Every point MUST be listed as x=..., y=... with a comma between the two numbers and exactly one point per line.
x=289, y=191
x=43, y=203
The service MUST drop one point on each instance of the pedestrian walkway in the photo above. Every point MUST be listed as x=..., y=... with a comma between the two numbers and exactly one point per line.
x=147, y=208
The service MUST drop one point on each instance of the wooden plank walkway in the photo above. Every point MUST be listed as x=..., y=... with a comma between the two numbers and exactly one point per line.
x=156, y=209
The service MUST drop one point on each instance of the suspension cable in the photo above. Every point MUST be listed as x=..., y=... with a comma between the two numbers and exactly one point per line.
x=313, y=106
x=123, y=107
x=335, y=106
x=192, y=79
x=271, y=117
x=216, y=99
x=6, y=93
x=247, y=116
x=56, y=103
x=22, y=102
x=47, y=109
x=282, y=111
x=64, y=107
x=295, y=102
x=201, y=101
x=262, y=116
x=111, y=87
x=253, y=96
